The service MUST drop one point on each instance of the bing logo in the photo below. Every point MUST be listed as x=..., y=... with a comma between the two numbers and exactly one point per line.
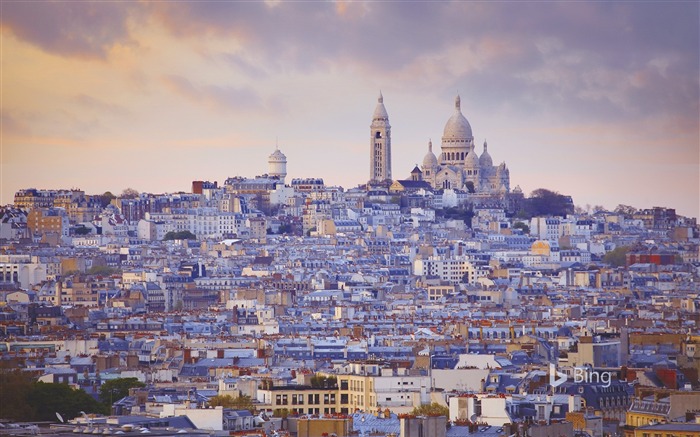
x=581, y=375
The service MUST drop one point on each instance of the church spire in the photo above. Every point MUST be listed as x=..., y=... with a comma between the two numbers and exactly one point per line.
x=430, y=146
x=381, y=97
x=458, y=103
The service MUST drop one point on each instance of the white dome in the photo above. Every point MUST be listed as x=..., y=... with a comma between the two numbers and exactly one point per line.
x=471, y=160
x=277, y=156
x=485, y=160
x=430, y=160
x=457, y=127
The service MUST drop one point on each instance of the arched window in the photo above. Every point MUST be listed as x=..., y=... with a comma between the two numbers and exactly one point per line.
x=377, y=134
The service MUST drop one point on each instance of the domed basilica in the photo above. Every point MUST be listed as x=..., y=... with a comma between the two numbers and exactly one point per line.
x=459, y=166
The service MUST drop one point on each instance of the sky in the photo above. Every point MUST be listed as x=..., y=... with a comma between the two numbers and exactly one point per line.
x=597, y=100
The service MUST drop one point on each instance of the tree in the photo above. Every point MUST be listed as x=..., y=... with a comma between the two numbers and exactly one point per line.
x=181, y=235
x=283, y=413
x=243, y=402
x=320, y=381
x=225, y=401
x=81, y=230
x=16, y=386
x=520, y=225
x=432, y=410
x=544, y=202
x=24, y=400
x=103, y=270
x=106, y=198
x=178, y=305
x=625, y=210
x=129, y=193
x=455, y=213
x=118, y=388
x=617, y=257
x=48, y=399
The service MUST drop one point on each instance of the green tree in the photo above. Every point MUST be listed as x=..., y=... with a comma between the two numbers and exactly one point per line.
x=617, y=257
x=129, y=193
x=523, y=226
x=433, y=409
x=625, y=210
x=15, y=386
x=115, y=389
x=48, y=399
x=225, y=401
x=106, y=198
x=243, y=402
x=81, y=230
x=455, y=213
x=181, y=235
x=320, y=381
x=544, y=202
x=283, y=413
x=24, y=400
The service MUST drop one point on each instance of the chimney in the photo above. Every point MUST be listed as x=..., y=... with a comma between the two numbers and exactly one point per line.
x=58, y=291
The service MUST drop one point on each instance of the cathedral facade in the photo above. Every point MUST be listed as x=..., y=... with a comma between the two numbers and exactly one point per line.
x=458, y=166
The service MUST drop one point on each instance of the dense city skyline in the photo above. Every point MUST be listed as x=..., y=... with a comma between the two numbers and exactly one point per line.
x=595, y=100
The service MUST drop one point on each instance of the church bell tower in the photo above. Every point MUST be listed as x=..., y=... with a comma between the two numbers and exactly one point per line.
x=380, y=145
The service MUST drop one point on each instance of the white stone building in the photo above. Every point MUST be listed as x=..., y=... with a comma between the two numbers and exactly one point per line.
x=458, y=166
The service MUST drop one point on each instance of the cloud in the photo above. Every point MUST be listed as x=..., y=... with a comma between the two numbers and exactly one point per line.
x=12, y=126
x=214, y=97
x=69, y=28
x=94, y=104
x=595, y=58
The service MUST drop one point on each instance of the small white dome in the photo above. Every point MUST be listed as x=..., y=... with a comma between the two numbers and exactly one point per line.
x=457, y=127
x=485, y=160
x=430, y=160
x=471, y=160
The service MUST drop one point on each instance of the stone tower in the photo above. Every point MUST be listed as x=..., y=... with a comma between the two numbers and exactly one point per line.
x=380, y=144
